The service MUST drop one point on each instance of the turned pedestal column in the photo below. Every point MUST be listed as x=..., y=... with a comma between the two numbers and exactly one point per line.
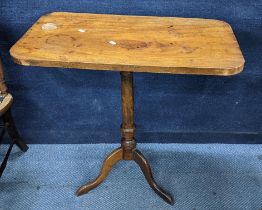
x=128, y=150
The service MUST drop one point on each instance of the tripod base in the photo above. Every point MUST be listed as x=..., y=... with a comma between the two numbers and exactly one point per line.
x=112, y=159
x=128, y=150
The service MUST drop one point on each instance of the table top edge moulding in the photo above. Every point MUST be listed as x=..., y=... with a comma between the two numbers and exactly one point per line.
x=131, y=43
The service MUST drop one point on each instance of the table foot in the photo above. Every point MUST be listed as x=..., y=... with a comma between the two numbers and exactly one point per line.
x=113, y=159
x=109, y=162
x=145, y=167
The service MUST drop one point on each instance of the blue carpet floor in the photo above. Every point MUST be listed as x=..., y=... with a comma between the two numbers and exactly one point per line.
x=201, y=177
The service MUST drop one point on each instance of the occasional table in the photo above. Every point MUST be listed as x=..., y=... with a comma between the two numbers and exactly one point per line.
x=130, y=44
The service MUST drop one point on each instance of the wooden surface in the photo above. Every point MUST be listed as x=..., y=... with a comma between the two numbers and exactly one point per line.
x=6, y=103
x=131, y=43
x=3, y=87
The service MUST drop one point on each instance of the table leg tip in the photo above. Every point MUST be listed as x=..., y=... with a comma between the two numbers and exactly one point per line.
x=169, y=200
x=80, y=192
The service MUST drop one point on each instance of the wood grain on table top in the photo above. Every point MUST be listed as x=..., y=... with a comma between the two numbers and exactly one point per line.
x=130, y=43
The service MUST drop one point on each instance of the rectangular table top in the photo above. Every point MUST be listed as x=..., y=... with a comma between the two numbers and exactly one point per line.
x=130, y=43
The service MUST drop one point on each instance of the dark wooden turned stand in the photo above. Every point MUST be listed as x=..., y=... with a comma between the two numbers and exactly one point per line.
x=128, y=150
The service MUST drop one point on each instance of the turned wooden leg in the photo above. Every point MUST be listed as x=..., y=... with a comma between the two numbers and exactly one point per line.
x=14, y=135
x=109, y=162
x=145, y=167
x=12, y=131
x=127, y=151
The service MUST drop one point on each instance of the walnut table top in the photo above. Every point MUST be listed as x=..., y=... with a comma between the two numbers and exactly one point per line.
x=130, y=43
